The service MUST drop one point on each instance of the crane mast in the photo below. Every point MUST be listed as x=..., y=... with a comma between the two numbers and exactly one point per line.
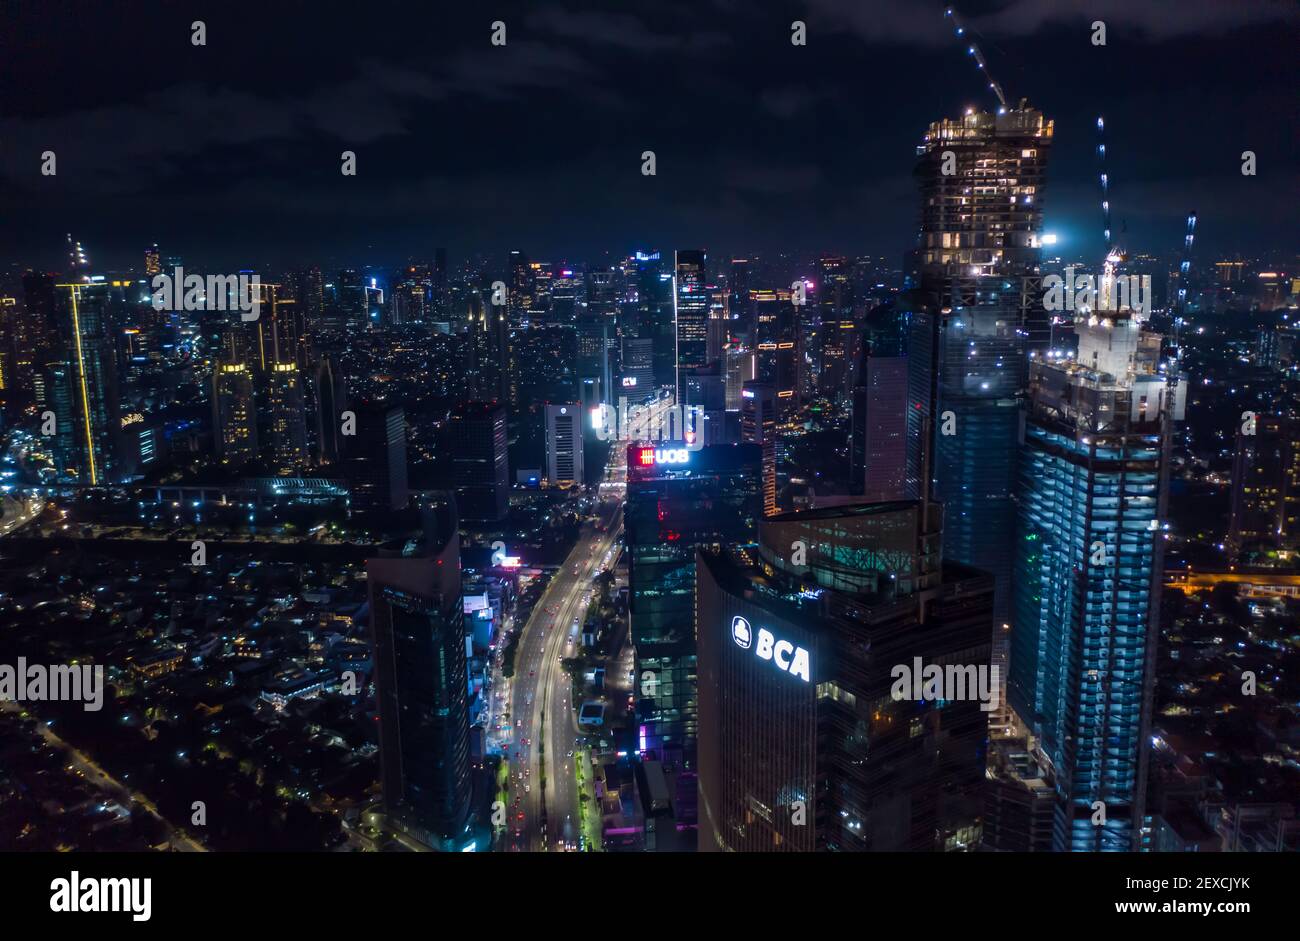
x=974, y=51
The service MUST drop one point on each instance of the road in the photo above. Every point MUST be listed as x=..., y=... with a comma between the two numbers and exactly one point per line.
x=81, y=762
x=17, y=513
x=541, y=705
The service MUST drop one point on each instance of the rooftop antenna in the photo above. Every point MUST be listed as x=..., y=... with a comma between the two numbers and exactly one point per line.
x=974, y=50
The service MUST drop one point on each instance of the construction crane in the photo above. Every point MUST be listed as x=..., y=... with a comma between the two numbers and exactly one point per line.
x=1184, y=269
x=1114, y=253
x=974, y=51
x=1185, y=266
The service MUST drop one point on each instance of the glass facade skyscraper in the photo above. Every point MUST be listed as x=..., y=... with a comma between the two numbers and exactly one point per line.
x=89, y=448
x=690, y=314
x=647, y=327
x=709, y=498
x=974, y=309
x=417, y=628
x=1093, y=485
x=878, y=444
x=479, y=464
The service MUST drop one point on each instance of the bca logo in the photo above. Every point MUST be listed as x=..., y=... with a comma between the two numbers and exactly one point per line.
x=789, y=658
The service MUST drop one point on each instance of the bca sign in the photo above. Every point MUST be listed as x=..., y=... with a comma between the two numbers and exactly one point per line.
x=789, y=658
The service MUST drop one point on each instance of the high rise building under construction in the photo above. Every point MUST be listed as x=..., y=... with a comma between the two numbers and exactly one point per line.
x=975, y=309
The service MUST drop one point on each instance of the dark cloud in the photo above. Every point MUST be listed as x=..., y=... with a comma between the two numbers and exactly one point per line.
x=621, y=31
x=760, y=145
x=913, y=21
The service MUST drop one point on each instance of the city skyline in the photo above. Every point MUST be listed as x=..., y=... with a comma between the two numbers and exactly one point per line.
x=897, y=452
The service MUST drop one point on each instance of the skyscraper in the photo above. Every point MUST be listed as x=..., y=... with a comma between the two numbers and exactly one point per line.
x=564, y=445
x=836, y=328
x=566, y=289
x=421, y=684
x=351, y=296
x=677, y=500
x=330, y=404
x=878, y=450
x=286, y=420
x=779, y=350
x=691, y=313
x=487, y=349
x=234, y=414
x=438, y=284
x=704, y=405
x=1088, y=569
x=278, y=335
x=719, y=324
x=637, y=381
x=740, y=281
x=803, y=743
x=35, y=333
x=648, y=317
x=597, y=329
x=480, y=461
x=975, y=308
x=758, y=426
x=85, y=326
x=738, y=369
x=375, y=457
x=1265, y=486
x=520, y=288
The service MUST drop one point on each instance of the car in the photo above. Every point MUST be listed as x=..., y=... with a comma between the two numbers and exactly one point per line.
x=570, y=752
x=532, y=673
x=527, y=788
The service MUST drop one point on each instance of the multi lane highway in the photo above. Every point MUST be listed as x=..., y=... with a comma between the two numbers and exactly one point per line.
x=541, y=709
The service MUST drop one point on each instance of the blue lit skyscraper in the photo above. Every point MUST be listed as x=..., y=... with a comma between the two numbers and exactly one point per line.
x=1093, y=485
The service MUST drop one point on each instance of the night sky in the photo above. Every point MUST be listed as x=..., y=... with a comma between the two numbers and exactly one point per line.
x=229, y=154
